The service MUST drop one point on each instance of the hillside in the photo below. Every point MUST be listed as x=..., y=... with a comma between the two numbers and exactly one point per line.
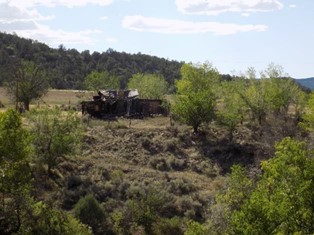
x=123, y=161
x=67, y=68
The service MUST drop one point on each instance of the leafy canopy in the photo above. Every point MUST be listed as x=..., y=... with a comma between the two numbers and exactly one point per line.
x=89, y=212
x=150, y=86
x=273, y=94
x=15, y=173
x=232, y=109
x=101, y=80
x=282, y=202
x=26, y=82
x=55, y=134
x=196, y=99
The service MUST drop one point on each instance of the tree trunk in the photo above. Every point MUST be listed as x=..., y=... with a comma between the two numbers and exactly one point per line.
x=231, y=135
x=26, y=105
x=195, y=128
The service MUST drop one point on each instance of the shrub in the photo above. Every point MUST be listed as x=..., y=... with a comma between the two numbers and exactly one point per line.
x=74, y=181
x=42, y=219
x=159, y=164
x=177, y=164
x=180, y=187
x=165, y=226
x=55, y=135
x=89, y=211
x=195, y=228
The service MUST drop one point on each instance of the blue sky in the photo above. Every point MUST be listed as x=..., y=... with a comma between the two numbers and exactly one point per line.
x=231, y=34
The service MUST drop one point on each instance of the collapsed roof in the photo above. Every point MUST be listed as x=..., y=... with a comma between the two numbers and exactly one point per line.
x=118, y=94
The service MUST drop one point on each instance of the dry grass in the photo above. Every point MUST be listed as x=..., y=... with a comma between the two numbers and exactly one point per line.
x=157, y=122
x=53, y=97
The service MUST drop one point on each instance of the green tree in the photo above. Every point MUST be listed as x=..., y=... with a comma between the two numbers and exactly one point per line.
x=282, y=202
x=196, y=99
x=55, y=134
x=142, y=211
x=165, y=226
x=26, y=82
x=89, y=212
x=15, y=173
x=237, y=190
x=195, y=228
x=232, y=110
x=273, y=94
x=150, y=86
x=101, y=80
x=253, y=93
x=43, y=219
x=281, y=90
x=308, y=117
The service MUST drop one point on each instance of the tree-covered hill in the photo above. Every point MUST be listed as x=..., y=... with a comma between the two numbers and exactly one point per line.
x=67, y=68
x=306, y=82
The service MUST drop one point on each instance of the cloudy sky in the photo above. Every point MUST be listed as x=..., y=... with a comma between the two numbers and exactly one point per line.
x=231, y=34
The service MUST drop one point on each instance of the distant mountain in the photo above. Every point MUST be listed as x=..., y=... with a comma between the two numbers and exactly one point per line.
x=306, y=82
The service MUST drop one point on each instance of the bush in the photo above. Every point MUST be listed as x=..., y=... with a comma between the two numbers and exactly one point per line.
x=177, y=164
x=55, y=135
x=195, y=228
x=159, y=164
x=89, y=211
x=180, y=187
x=74, y=181
x=165, y=226
x=42, y=219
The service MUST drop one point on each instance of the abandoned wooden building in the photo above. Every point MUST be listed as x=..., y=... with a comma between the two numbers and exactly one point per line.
x=117, y=103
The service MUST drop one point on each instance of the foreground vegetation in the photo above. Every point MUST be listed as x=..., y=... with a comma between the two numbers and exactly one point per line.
x=236, y=173
x=234, y=157
x=154, y=178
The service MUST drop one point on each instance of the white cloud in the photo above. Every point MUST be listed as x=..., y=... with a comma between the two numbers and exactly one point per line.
x=167, y=26
x=245, y=14
x=56, y=37
x=111, y=40
x=292, y=6
x=11, y=14
x=22, y=18
x=104, y=18
x=52, y=3
x=215, y=7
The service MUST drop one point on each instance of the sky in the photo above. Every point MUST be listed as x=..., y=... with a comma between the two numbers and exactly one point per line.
x=231, y=34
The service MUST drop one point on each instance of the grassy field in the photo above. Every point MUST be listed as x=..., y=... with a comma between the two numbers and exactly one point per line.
x=53, y=97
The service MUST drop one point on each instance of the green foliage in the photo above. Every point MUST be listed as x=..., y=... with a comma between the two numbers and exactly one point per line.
x=26, y=82
x=232, y=109
x=142, y=211
x=43, y=219
x=239, y=187
x=55, y=134
x=101, y=80
x=68, y=68
x=165, y=226
x=14, y=139
x=253, y=93
x=196, y=99
x=14, y=154
x=15, y=173
x=274, y=93
x=150, y=86
x=282, y=202
x=308, y=117
x=89, y=212
x=195, y=228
